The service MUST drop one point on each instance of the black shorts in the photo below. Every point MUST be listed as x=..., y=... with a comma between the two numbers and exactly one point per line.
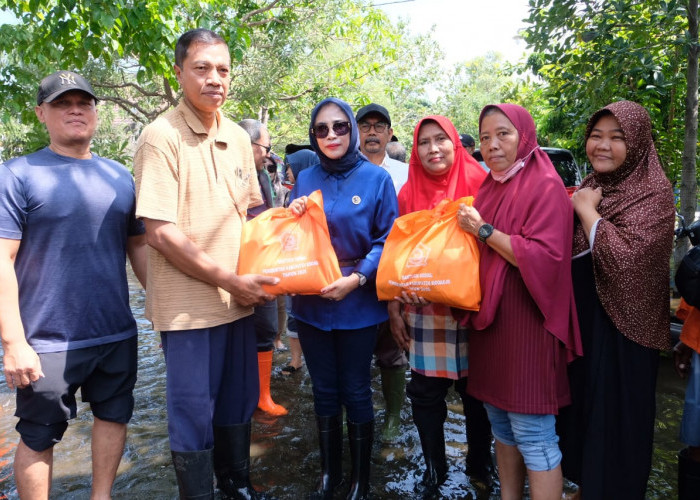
x=106, y=375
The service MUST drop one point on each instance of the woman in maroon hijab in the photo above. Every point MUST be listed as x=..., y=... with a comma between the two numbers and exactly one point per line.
x=526, y=329
x=622, y=245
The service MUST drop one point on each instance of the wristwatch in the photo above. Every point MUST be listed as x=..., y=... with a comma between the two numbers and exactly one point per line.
x=485, y=231
x=363, y=278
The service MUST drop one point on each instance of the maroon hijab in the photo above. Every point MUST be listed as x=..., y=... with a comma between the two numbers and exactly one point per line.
x=534, y=209
x=634, y=239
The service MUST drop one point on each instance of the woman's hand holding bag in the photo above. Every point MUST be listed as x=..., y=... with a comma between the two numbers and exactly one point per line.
x=427, y=253
x=295, y=248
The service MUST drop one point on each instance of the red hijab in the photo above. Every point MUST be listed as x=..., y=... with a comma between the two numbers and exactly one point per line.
x=534, y=209
x=423, y=191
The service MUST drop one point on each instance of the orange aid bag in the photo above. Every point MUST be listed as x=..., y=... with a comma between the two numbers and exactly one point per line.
x=295, y=249
x=426, y=252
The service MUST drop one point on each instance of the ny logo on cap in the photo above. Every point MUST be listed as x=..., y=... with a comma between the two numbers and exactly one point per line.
x=67, y=79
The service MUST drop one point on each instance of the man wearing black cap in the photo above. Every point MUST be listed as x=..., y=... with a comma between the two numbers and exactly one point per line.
x=374, y=123
x=468, y=143
x=66, y=225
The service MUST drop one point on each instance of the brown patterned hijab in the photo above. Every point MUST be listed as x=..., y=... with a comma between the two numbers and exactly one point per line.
x=634, y=239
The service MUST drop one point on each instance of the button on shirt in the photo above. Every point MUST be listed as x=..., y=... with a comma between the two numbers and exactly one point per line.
x=360, y=207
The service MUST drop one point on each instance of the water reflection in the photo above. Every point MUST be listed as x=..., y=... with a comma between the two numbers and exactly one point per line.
x=285, y=458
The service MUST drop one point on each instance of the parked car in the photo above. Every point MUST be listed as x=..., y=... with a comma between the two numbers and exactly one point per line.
x=563, y=162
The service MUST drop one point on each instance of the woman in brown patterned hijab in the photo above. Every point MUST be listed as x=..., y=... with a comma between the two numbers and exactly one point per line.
x=622, y=245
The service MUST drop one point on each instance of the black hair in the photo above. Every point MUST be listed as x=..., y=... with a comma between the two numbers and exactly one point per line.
x=199, y=35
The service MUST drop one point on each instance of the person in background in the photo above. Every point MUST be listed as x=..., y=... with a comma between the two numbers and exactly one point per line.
x=275, y=168
x=295, y=163
x=194, y=205
x=525, y=331
x=622, y=246
x=338, y=328
x=265, y=314
x=686, y=356
x=439, y=168
x=374, y=124
x=67, y=224
x=396, y=151
x=375, y=129
x=468, y=143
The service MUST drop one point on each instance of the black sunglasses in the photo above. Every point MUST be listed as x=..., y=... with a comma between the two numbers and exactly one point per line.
x=266, y=148
x=339, y=128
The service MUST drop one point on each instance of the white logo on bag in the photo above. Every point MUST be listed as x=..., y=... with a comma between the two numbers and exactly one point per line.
x=289, y=242
x=419, y=256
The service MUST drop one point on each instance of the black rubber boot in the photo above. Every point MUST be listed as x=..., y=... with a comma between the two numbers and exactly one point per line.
x=361, y=437
x=330, y=439
x=479, y=463
x=195, y=478
x=232, y=463
x=430, y=423
x=688, y=477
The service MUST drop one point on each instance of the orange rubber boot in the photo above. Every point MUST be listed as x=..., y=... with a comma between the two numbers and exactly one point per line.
x=265, y=403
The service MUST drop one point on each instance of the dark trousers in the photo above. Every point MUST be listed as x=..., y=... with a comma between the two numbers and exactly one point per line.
x=427, y=395
x=387, y=352
x=266, y=325
x=339, y=363
x=607, y=434
x=212, y=380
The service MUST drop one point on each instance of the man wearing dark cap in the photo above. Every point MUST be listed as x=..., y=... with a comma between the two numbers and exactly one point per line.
x=468, y=143
x=374, y=123
x=67, y=224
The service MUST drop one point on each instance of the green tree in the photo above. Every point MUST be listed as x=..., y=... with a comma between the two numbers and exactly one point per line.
x=472, y=85
x=287, y=54
x=594, y=52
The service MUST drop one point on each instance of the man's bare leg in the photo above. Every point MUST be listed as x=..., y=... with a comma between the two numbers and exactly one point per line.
x=33, y=472
x=108, y=440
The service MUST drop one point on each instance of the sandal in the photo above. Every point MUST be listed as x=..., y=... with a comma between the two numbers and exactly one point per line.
x=290, y=370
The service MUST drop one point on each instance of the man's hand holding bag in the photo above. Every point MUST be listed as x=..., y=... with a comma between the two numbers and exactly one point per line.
x=296, y=249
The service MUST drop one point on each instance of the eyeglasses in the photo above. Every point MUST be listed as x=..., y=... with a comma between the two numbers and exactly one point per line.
x=266, y=148
x=339, y=128
x=379, y=127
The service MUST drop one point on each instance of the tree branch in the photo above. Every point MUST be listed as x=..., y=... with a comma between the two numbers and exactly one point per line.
x=255, y=12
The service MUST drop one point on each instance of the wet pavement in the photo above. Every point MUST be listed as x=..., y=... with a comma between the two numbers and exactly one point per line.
x=285, y=458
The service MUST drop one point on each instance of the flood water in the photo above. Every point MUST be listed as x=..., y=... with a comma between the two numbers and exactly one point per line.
x=284, y=452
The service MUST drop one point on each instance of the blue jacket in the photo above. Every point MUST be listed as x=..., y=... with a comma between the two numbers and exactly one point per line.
x=360, y=206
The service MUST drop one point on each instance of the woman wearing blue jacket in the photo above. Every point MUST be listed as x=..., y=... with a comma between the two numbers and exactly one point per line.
x=338, y=328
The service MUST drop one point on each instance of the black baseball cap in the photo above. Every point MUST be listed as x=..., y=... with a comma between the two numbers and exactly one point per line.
x=467, y=140
x=373, y=108
x=61, y=82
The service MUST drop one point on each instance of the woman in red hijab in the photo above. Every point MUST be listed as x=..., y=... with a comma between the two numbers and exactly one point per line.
x=526, y=329
x=439, y=168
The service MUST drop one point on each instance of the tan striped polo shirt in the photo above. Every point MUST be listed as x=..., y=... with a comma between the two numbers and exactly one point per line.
x=204, y=185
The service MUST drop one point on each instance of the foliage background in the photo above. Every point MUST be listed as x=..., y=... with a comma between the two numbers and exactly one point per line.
x=289, y=54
